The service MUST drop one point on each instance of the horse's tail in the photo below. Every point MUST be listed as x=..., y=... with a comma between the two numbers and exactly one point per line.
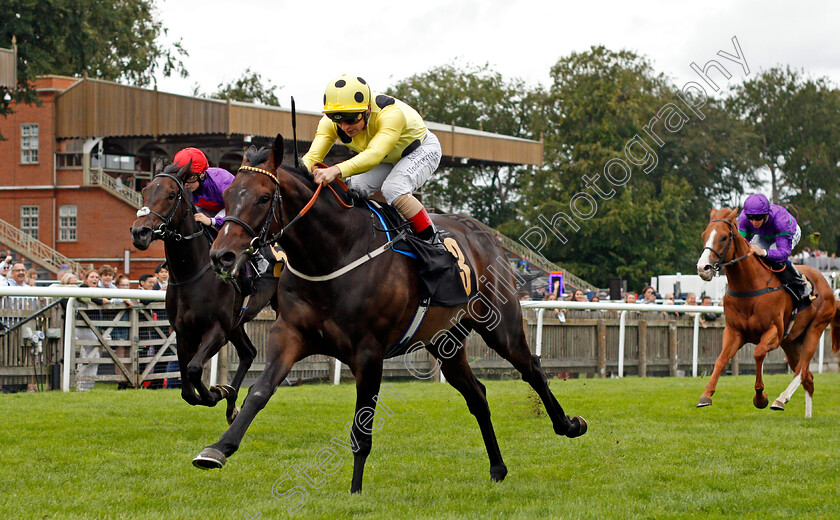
x=835, y=329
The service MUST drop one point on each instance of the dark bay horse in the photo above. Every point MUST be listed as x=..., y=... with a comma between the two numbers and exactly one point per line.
x=758, y=311
x=357, y=315
x=204, y=311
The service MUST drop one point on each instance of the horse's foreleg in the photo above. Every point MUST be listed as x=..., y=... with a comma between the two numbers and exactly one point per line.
x=211, y=343
x=731, y=343
x=368, y=372
x=187, y=390
x=769, y=341
x=278, y=365
x=247, y=352
x=459, y=374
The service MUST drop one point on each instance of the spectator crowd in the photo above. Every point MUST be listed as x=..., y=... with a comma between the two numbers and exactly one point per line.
x=14, y=273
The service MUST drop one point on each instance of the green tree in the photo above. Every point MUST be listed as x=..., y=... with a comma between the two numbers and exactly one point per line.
x=599, y=102
x=479, y=98
x=797, y=119
x=248, y=88
x=110, y=40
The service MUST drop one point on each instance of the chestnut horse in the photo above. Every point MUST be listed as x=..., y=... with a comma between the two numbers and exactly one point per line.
x=340, y=297
x=758, y=310
x=204, y=311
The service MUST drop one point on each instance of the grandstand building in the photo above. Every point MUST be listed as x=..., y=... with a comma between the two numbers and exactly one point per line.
x=74, y=164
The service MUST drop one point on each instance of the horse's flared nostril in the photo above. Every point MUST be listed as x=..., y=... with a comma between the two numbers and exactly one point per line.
x=141, y=237
x=222, y=260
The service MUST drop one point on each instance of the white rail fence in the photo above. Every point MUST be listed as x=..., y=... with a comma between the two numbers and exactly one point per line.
x=619, y=309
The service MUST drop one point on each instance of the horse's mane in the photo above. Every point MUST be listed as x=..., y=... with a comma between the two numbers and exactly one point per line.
x=353, y=197
x=724, y=214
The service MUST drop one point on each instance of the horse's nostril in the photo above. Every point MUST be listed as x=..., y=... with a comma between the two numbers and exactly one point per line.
x=223, y=258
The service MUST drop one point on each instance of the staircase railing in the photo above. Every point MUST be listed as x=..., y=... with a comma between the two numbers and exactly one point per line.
x=37, y=251
x=98, y=177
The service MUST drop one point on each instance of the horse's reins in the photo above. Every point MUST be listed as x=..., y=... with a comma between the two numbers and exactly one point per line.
x=718, y=265
x=163, y=232
x=262, y=239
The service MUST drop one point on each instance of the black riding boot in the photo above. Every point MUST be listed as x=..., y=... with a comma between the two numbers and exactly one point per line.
x=431, y=235
x=797, y=286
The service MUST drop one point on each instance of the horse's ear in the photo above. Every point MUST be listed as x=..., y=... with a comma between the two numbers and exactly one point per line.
x=158, y=167
x=182, y=171
x=277, y=150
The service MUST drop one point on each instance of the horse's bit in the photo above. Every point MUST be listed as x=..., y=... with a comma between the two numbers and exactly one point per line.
x=163, y=232
x=261, y=239
x=718, y=265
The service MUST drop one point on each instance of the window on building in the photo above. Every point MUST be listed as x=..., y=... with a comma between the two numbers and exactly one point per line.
x=29, y=220
x=29, y=143
x=67, y=223
x=68, y=160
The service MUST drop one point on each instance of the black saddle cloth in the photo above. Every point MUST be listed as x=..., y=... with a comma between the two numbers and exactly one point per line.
x=794, y=283
x=440, y=277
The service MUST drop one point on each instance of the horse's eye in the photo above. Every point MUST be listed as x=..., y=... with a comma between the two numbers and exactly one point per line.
x=171, y=196
x=264, y=199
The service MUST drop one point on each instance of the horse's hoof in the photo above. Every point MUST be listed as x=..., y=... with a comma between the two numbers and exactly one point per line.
x=209, y=458
x=222, y=390
x=232, y=416
x=498, y=473
x=777, y=405
x=760, y=401
x=581, y=427
x=704, y=401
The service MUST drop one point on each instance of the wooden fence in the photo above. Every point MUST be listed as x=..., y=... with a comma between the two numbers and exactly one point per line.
x=134, y=347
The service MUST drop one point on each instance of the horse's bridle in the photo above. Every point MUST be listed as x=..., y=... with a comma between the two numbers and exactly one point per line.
x=261, y=239
x=718, y=265
x=163, y=231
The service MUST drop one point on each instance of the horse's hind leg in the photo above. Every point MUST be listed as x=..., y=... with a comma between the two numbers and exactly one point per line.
x=800, y=361
x=459, y=374
x=510, y=343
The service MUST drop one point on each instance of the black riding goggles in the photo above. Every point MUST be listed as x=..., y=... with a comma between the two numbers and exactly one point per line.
x=756, y=217
x=345, y=117
x=193, y=177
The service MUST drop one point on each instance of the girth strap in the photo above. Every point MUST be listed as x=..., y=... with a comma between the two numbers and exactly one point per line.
x=401, y=345
x=751, y=294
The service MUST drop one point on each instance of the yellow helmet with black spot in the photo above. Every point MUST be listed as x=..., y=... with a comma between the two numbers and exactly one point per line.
x=348, y=94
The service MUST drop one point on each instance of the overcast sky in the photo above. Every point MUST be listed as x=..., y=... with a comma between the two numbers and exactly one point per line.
x=300, y=45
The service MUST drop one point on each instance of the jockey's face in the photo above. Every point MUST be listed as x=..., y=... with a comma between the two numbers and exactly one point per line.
x=757, y=220
x=354, y=129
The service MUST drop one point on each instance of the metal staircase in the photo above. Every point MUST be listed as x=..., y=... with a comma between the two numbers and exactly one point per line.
x=44, y=255
x=97, y=177
x=37, y=251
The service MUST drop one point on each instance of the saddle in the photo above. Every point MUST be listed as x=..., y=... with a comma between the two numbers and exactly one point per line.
x=441, y=279
x=800, y=287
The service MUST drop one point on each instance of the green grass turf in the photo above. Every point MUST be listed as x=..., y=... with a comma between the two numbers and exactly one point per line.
x=649, y=453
